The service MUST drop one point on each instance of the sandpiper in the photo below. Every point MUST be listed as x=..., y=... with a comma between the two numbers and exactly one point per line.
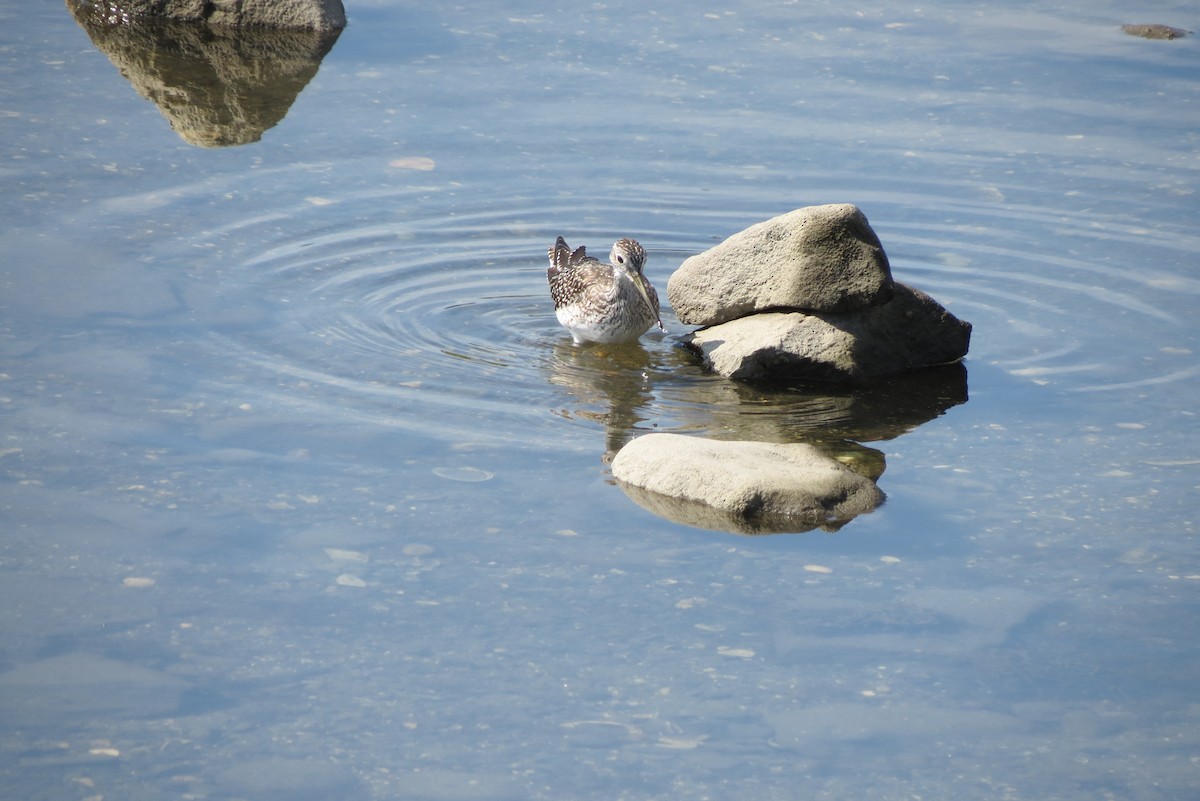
x=600, y=302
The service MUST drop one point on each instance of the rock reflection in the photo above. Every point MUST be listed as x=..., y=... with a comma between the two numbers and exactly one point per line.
x=875, y=412
x=700, y=515
x=217, y=86
x=835, y=420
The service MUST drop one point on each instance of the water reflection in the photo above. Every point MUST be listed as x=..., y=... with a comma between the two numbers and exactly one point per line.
x=634, y=389
x=833, y=419
x=613, y=386
x=817, y=414
x=701, y=515
x=217, y=86
x=219, y=366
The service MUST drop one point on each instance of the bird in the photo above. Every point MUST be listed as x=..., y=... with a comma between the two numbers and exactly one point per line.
x=598, y=302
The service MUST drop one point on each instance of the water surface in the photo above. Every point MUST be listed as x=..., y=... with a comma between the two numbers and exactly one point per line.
x=305, y=492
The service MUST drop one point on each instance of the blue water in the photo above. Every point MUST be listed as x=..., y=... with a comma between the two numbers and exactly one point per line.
x=304, y=493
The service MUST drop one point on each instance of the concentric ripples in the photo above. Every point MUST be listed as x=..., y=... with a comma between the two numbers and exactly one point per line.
x=1079, y=302
x=436, y=321
x=426, y=309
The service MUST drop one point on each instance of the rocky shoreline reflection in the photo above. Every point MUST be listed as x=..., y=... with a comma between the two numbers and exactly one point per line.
x=217, y=86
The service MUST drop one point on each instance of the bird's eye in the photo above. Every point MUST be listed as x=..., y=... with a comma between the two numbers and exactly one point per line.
x=620, y=259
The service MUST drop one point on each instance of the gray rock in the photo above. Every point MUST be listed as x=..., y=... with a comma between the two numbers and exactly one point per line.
x=744, y=487
x=315, y=15
x=818, y=258
x=910, y=332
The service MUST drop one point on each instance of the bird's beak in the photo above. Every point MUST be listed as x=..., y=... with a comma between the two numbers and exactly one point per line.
x=641, y=282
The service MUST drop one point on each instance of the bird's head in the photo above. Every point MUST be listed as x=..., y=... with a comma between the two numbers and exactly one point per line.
x=628, y=254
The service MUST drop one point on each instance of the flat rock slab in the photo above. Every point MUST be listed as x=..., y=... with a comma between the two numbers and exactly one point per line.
x=744, y=487
x=818, y=258
x=910, y=332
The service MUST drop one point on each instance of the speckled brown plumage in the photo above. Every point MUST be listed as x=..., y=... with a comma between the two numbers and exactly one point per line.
x=600, y=302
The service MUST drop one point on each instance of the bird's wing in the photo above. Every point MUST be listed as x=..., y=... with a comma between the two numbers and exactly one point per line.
x=588, y=283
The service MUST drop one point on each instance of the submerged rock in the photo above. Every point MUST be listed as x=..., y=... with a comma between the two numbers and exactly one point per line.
x=745, y=487
x=284, y=779
x=84, y=684
x=910, y=332
x=818, y=258
x=1155, y=31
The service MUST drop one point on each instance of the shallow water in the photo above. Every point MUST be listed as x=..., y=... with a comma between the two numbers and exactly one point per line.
x=305, y=492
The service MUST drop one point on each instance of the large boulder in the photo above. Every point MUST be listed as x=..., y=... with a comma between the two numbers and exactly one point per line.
x=745, y=487
x=910, y=332
x=819, y=258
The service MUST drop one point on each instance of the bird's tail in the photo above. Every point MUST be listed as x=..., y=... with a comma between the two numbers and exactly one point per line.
x=562, y=257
